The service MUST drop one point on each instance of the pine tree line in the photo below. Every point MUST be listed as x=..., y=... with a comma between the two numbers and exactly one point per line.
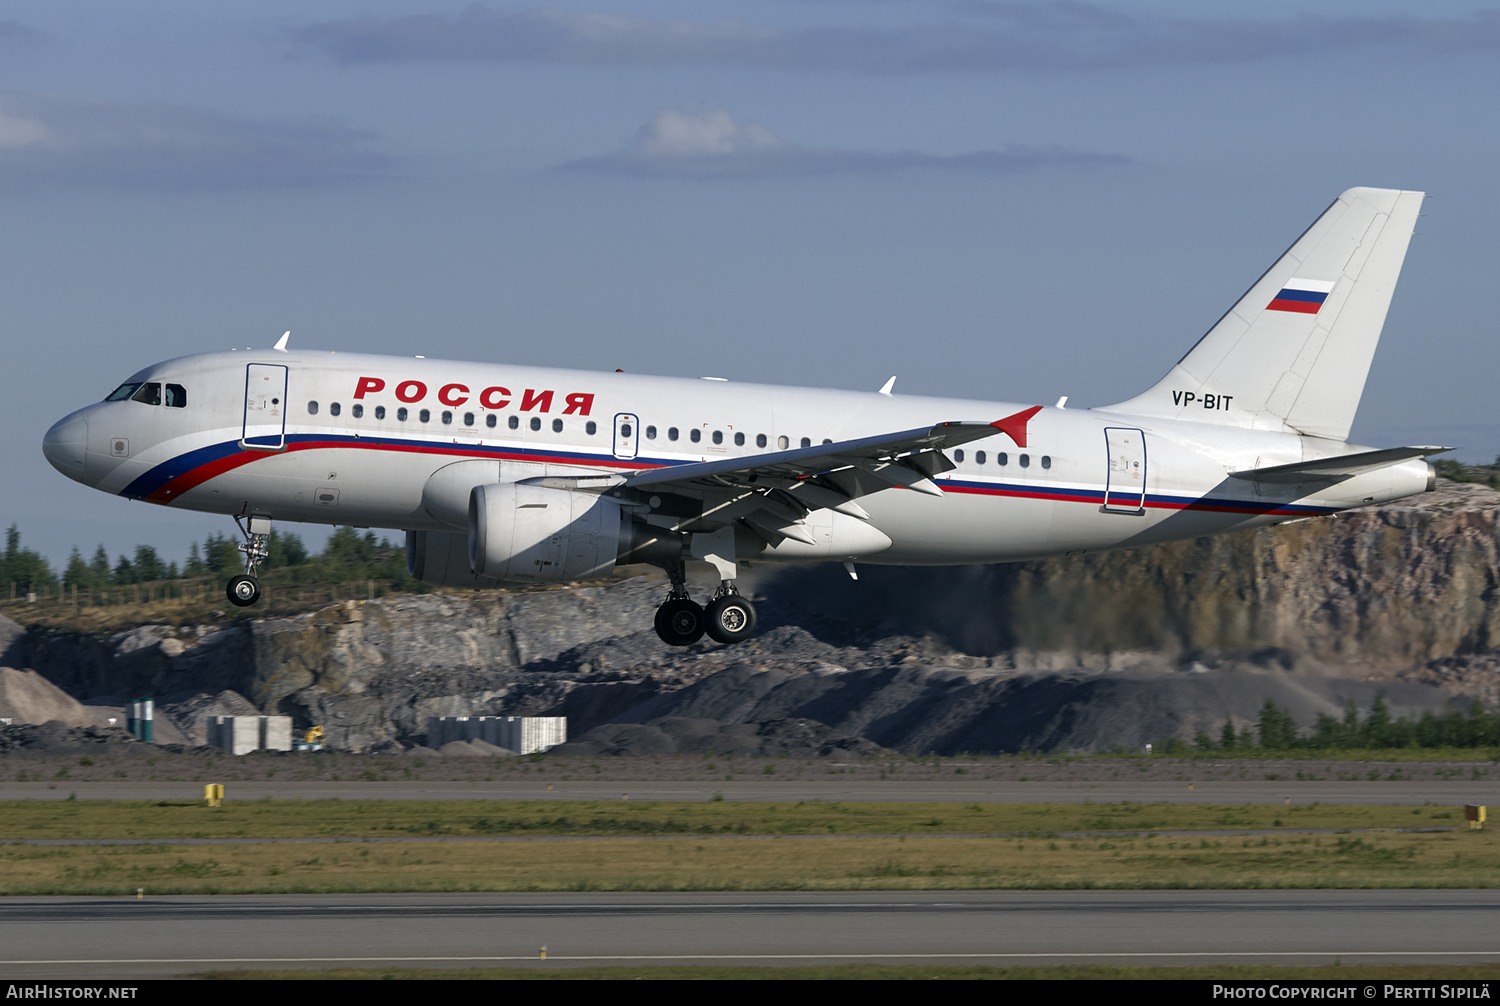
x=348, y=555
x=1277, y=731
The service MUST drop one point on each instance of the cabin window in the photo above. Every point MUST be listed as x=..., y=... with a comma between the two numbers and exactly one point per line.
x=958, y=456
x=425, y=416
x=760, y=440
x=626, y=429
x=514, y=422
x=334, y=409
x=695, y=435
x=1046, y=461
x=150, y=394
x=177, y=397
x=1002, y=458
x=557, y=426
x=979, y=457
x=1025, y=460
x=401, y=415
x=672, y=433
x=783, y=443
x=806, y=442
x=591, y=427
x=718, y=436
x=827, y=441
x=447, y=418
x=468, y=419
x=490, y=420
x=312, y=408
x=651, y=433
x=123, y=392
x=739, y=440
x=358, y=411
x=536, y=423
x=380, y=412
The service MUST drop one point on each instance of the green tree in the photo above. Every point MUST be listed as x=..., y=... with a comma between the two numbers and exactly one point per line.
x=78, y=574
x=1376, y=729
x=1226, y=735
x=148, y=565
x=99, y=566
x=285, y=550
x=23, y=567
x=1278, y=730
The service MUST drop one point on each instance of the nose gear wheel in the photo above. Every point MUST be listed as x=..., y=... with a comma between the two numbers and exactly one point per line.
x=243, y=591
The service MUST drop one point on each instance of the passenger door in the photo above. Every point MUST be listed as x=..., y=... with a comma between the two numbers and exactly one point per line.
x=627, y=435
x=265, y=407
x=1125, y=485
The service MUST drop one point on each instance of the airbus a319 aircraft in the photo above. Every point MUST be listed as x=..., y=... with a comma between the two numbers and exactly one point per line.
x=524, y=475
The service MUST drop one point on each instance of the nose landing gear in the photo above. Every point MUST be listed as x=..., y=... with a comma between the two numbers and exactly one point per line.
x=244, y=590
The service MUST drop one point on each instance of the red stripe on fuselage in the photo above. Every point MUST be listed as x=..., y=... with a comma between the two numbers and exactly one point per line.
x=192, y=479
x=201, y=474
x=1063, y=496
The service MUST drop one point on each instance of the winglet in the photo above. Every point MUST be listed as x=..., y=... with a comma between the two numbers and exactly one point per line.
x=885, y=389
x=281, y=342
x=1015, y=426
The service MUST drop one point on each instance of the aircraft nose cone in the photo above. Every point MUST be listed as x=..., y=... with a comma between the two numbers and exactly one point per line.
x=64, y=446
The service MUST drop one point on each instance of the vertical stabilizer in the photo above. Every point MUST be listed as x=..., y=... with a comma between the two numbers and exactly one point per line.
x=1293, y=354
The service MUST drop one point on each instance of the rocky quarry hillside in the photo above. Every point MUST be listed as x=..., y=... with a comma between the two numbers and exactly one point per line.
x=1079, y=654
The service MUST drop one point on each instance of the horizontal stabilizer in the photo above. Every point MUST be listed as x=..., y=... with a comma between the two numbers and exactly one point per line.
x=1342, y=466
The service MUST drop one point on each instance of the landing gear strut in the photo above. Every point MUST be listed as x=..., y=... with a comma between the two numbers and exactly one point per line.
x=244, y=590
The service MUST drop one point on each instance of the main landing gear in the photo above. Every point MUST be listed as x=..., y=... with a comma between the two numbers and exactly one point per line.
x=681, y=621
x=244, y=590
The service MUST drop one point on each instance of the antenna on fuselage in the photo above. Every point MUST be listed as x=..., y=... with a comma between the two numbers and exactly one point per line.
x=281, y=342
x=886, y=388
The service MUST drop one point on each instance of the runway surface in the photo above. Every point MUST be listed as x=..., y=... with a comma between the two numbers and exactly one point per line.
x=78, y=938
x=1446, y=792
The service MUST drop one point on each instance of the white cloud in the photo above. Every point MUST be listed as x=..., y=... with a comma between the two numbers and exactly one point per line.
x=711, y=144
x=52, y=139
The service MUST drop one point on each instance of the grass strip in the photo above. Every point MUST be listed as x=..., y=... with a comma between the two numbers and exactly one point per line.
x=889, y=972
x=1456, y=859
x=21, y=819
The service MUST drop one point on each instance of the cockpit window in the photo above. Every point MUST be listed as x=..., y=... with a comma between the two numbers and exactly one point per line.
x=123, y=392
x=176, y=396
x=150, y=394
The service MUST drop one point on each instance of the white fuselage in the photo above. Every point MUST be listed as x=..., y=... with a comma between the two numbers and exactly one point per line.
x=332, y=466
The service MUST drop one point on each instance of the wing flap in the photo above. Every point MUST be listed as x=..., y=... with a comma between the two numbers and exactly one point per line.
x=869, y=453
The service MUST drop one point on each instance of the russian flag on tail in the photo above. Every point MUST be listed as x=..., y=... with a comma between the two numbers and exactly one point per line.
x=1301, y=296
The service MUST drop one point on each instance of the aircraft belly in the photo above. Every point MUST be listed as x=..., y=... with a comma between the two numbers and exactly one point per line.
x=963, y=528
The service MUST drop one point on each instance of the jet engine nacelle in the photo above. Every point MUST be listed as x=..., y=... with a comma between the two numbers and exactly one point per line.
x=441, y=558
x=530, y=534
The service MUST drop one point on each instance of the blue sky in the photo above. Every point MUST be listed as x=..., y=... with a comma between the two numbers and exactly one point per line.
x=990, y=199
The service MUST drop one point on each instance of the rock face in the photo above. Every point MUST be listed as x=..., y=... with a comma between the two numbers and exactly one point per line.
x=1082, y=653
x=1383, y=588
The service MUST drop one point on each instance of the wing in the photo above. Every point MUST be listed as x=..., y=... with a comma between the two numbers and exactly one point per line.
x=772, y=493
